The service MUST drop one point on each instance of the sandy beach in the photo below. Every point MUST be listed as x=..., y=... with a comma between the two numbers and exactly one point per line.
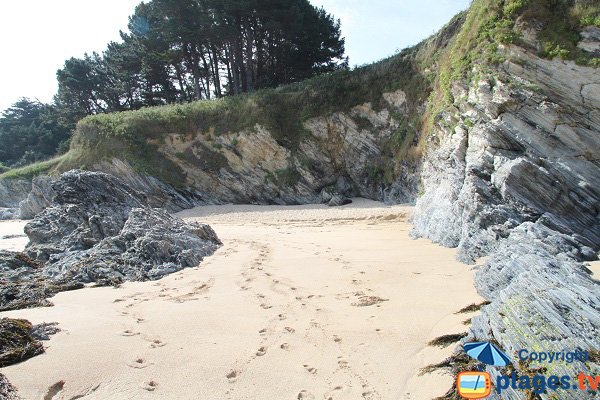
x=301, y=302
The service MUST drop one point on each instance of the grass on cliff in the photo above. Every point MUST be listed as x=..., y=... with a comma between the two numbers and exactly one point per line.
x=32, y=170
x=491, y=23
x=136, y=135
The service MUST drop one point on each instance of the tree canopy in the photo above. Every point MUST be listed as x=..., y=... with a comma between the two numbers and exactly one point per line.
x=184, y=50
x=31, y=131
x=178, y=51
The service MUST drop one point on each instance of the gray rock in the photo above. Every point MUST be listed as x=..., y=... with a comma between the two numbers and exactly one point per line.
x=12, y=191
x=512, y=174
x=158, y=194
x=150, y=245
x=7, y=391
x=23, y=284
x=339, y=200
x=99, y=230
x=9, y=213
x=39, y=198
x=590, y=40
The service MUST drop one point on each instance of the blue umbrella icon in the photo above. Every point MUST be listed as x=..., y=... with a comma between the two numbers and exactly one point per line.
x=487, y=353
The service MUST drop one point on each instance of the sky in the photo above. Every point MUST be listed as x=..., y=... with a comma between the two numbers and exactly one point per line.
x=37, y=36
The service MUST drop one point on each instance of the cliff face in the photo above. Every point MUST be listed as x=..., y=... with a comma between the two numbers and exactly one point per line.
x=349, y=133
x=512, y=172
x=338, y=156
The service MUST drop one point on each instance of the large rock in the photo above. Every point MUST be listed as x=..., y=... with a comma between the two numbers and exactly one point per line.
x=149, y=245
x=512, y=173
x=38, y=199
x=98, y=229
x=9, y=213
x=12, y=191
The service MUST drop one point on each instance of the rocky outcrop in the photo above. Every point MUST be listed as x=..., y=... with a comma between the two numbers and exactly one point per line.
x=40, y=197
x=251, y=166
x=19, y=341
x=158, y=194
x=99, y=230
x=513, y=173
x=12, y=191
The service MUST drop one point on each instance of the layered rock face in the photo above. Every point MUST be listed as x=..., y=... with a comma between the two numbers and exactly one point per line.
x=98, y=229
x=342, y=156
x=12, y=191
x=513, y=173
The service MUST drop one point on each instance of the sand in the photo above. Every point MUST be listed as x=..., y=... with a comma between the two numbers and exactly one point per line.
x=11, y=235
x=304, y=302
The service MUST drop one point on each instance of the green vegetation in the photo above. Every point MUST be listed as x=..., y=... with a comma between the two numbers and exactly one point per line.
x=135, y=135
x=465, y=50
x=185, y=50
x=561, y=22
x=490, y=23
x=33, y=170
x=31, y=131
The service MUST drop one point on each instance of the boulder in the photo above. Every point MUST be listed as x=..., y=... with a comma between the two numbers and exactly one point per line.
x=98, y=229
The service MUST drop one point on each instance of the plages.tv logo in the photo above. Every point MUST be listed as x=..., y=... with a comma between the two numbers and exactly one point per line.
x=478, y=385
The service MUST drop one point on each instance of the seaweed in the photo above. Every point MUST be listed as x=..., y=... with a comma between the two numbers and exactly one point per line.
x=16, y=341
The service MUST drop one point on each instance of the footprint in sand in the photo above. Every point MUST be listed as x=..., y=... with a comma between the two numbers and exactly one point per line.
x=138, y=363
x=310, y=369
x=128, y=332
x=285, y=346
x=282, y=317
x=54, y=390
x=337, y=339
x=150, y=385
x=157, y=343
x=261, y=352
x=289, y=330
x=333, y=392
x=263, y=331
x=266, y=306
x=304, y=395
x=232, y=376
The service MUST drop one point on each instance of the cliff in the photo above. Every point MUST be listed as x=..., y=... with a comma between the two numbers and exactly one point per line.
x=512, y=173
x=349, y=133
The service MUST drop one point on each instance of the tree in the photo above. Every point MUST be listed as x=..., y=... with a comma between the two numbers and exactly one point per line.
x=31, y=131
x=184, y=50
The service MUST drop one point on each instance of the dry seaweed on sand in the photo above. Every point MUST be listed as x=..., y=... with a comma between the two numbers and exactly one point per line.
x=447, y=340
x=16, y=341
x=472, y=308
x=456, y=363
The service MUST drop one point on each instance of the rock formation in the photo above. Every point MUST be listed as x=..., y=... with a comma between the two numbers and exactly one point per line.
x=98, y=229
x=513, y=174
x=12, y=191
